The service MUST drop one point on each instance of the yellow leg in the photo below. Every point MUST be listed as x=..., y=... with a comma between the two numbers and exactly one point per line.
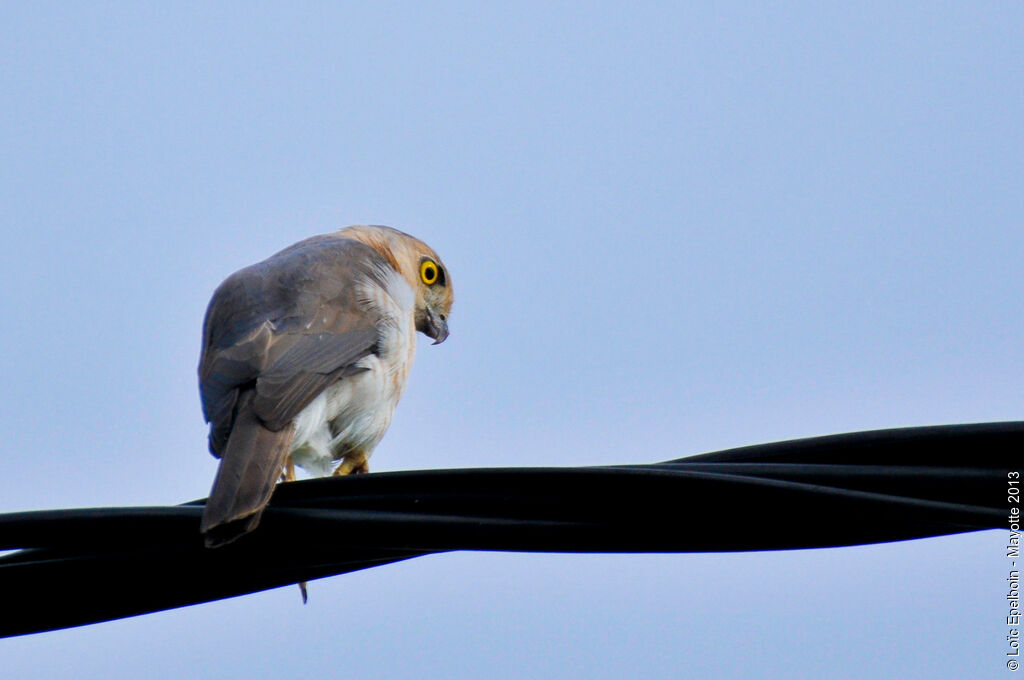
x=289, y=470
x=354, y=463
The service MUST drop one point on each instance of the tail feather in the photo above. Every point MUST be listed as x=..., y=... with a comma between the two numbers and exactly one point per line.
x=249, y=470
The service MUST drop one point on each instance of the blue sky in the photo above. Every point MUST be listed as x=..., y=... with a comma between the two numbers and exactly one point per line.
x=670, y=229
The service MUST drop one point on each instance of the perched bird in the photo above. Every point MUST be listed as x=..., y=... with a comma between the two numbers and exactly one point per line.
x=305, y=356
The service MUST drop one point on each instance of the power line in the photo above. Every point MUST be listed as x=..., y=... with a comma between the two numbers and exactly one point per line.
x=80, y=566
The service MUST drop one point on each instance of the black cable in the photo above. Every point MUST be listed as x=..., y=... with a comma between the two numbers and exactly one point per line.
x=74, y=567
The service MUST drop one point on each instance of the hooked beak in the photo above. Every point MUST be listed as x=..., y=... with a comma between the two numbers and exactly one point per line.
x=437, y=327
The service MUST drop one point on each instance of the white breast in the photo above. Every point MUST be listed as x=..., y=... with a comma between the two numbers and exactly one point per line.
x=355, y=412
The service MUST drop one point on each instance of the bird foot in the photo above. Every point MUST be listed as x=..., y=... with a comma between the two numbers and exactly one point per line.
x=352, y=466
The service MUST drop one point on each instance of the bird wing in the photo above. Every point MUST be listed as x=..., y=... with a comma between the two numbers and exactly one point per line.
x=249, y=469
x=287, y=328
x=277, y=334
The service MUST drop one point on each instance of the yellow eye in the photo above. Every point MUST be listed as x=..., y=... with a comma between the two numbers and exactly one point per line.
x=428, y=272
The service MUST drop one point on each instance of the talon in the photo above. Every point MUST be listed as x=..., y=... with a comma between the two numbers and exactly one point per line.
x=354, y=464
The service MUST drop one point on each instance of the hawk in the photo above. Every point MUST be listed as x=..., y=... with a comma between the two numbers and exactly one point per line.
x=305, y=356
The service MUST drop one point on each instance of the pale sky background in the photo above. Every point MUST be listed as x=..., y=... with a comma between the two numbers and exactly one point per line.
x=670, y=231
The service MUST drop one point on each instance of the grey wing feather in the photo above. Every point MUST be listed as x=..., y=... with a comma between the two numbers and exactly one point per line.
x=288, y=326
x=245, y=480
x=311, y=364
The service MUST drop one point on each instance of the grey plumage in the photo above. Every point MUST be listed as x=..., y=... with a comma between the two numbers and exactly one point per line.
x=305, y=356
x=275, y=335
x=245, y=480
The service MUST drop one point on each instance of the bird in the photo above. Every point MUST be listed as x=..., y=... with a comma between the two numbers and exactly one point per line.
x=304, y=358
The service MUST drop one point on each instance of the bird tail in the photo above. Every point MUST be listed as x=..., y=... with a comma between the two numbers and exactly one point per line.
x=249, y=470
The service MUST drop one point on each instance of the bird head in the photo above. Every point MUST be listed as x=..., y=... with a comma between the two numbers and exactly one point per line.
x=420, y=266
